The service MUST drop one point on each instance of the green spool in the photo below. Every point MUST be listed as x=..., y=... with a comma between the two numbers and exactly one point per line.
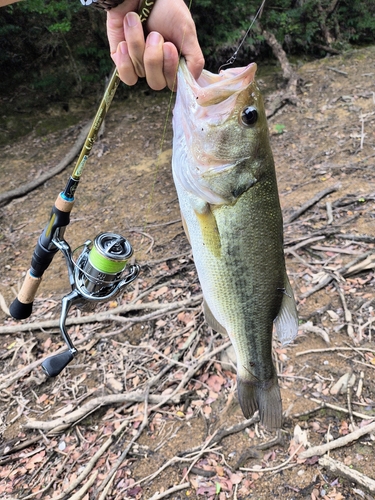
x=105, y=264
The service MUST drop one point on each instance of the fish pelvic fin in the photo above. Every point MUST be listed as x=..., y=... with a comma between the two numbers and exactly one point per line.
x=286, y=322
x=211, y=320
x=263, y=396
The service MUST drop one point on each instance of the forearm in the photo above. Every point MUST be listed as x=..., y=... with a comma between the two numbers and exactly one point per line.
x=3, y=3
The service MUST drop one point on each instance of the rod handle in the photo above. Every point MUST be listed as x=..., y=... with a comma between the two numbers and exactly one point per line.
x=22, y=306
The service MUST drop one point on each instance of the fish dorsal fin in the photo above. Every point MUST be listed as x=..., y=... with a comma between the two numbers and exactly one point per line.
x=286, y=322
x=212, y=321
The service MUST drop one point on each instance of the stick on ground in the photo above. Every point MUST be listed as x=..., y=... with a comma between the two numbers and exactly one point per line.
x=294, y=215
x=68, y=158
x=351, y=474
x=338, y=443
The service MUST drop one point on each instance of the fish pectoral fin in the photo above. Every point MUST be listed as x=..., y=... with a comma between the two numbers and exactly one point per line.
x=212, y=321
x=263, y=396
x=286, y=322
x=208, y=226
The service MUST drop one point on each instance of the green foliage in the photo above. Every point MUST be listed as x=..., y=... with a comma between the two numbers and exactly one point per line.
x=302, y=26
x=59, y=46
x=279, y=128
x=46, y=44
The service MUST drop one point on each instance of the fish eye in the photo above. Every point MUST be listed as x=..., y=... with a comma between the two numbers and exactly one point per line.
x=249, y=116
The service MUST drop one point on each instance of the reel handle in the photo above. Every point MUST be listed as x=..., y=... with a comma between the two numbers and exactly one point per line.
x=55, y=364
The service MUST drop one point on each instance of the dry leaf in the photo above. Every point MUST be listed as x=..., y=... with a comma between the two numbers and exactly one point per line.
x=215, y=382
x=115, y=384
x=341, y=386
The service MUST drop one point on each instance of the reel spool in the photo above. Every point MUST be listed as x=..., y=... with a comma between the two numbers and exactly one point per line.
x=100, y=267
x=99, y=274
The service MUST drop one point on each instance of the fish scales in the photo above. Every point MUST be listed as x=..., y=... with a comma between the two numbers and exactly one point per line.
x=232, y=216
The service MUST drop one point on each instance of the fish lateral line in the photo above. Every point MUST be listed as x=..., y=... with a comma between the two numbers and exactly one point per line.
x=251, y=373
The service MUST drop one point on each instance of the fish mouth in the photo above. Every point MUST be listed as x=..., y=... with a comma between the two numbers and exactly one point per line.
x=206, y=126
x=211, y=89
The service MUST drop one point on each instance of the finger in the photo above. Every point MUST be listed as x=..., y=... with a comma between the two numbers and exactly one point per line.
x=170, y=66
x=115, y=23
x=124, y=64
x=191, y=50
x=135, y=40
x=153, y=61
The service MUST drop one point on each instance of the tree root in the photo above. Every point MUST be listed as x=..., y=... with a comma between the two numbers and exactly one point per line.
x=68, y=158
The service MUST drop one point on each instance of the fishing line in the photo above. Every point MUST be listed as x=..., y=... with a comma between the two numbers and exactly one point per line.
x=234, y=56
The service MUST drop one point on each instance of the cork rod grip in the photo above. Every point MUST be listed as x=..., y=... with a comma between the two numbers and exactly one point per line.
x=22, y=306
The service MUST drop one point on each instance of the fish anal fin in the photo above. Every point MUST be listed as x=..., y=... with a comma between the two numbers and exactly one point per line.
x=286, y=322
x=212, y=321
x=263, y=396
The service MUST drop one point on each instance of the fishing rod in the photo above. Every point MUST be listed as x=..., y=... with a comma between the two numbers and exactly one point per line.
x=100, y=272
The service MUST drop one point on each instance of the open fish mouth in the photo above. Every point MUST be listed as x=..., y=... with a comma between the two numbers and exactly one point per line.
x=214, y=143
x=211, y=89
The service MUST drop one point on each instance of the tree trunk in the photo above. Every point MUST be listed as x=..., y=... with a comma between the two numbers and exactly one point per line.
x=290, y=94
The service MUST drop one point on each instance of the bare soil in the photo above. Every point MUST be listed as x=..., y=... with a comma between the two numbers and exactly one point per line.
x=328, y=139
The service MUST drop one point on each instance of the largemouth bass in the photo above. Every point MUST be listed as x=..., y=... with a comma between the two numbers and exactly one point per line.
x=225, y=178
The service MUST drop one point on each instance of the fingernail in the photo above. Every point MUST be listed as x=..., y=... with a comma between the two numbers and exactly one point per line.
x=167, y=51
x=132, y=19
x=123, y=46
x=154, y=38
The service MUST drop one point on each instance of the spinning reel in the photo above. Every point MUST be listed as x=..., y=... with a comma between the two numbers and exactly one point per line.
x=97, y=275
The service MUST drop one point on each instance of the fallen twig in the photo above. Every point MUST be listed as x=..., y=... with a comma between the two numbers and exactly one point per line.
x=51, y=172
x=304, y=242
x=3, y=305
x=10, y=378
x=52, y=481
x=253, y=452
x=277, y=467
x=294, y=215
x=338, y=443
x=119, y=461
x=103, y=316
x=339, y=71
x=331, y=349
x=309, y=327
x=348, y=473
x=174, y=489
x=82, y=492
x=323, y=404
x=59, y=424
x=90, y=465
x=343, y=271
x=222, y=433
x=347, y=313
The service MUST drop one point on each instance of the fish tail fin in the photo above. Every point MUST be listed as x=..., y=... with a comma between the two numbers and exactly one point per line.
x=263, y=396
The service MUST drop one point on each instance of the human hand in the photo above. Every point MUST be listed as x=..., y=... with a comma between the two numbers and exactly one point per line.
x=171, y=33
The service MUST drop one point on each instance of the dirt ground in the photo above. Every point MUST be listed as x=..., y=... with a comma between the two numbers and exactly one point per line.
x=141, y=408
